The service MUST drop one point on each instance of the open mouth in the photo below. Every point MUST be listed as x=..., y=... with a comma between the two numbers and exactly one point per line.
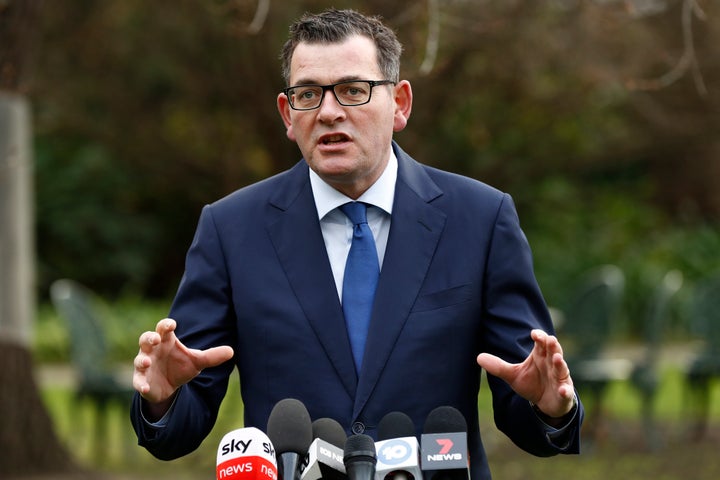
x=333, y=139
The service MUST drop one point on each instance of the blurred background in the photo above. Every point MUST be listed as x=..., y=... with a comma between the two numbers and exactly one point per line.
x=600, y=117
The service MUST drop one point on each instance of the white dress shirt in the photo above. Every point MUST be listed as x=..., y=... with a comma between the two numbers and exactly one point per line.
x=337, y=230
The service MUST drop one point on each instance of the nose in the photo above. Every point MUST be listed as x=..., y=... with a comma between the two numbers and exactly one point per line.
x=330, y=109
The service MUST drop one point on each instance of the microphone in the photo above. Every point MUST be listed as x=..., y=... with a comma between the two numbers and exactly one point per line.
x=444, y=445
x=247, y=454
x=398, y=452
x=329, y=430
x=325, y=455
x=360, y=457
x=290, y=430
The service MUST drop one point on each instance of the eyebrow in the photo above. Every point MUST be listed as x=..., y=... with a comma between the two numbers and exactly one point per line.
x=346, y=78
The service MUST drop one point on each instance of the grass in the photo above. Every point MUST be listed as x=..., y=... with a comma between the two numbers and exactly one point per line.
x=116, y=451
x=620, y=452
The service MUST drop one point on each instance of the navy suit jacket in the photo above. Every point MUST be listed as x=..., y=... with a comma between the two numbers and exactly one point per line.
x=457, y=280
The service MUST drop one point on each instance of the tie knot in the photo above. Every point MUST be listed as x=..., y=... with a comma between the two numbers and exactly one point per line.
x=355, y=211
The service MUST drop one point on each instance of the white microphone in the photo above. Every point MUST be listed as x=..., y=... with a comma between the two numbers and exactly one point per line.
x=444, y=445
x=398, y=451
x=246, y=454
x=325, y=455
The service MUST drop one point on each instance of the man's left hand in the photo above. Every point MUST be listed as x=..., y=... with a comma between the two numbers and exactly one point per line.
x=543, y=377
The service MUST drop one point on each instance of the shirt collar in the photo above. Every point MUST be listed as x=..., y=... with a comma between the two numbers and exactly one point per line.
x=380, y=194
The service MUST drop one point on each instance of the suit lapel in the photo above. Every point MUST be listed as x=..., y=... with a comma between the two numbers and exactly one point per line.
x=299, y=244
x=414, y=233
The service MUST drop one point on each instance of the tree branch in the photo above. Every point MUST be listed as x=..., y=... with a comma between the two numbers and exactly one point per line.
x=433, y=38
x=688, y=60
x=232, y=7
x=263, y=7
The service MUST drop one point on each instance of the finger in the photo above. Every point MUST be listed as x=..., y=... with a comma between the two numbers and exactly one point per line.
x=540, y=338
x=548, y=345
x=567, y=392
x=141, y=362
x=215, y=356
x=140, y=383
x=165, y=326
x=166, y=330
x=553, y=345
x=494, y=365
x=560, y=364
x=148, y=340
x=538, y=335
x=562, y=370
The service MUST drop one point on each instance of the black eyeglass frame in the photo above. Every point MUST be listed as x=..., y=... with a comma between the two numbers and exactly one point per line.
x=331, y=87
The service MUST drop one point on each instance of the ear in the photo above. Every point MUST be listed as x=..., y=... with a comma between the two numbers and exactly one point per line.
x=403, y=105
x=284, y=108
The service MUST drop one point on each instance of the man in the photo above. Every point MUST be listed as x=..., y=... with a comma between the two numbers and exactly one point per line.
x=265, y=281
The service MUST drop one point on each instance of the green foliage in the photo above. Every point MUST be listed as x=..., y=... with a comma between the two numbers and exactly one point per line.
x=76, y=424
x=147, y=111
x=586, y=227
x=123, y=320
x=90, y=225
x=621, y=453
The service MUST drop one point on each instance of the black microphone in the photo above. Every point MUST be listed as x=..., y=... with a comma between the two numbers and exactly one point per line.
x=360, y=457
x=329, y=430
x=395, y=424
x=444, y=445
x=398, y=452
x=325, y=455
x=290, y=430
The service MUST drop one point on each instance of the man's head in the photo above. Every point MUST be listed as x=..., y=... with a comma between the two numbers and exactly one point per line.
x=344, y=99
x=334, y=26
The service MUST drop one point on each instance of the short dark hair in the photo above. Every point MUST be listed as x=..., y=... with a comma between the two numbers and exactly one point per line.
x=333, y=26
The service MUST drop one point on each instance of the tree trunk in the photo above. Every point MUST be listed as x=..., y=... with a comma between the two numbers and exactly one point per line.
x=28, y=444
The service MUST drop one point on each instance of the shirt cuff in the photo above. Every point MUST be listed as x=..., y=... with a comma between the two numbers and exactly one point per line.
x=163, y=420
x=559, y=436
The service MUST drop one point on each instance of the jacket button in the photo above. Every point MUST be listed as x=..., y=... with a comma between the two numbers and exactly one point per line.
x=358, y=428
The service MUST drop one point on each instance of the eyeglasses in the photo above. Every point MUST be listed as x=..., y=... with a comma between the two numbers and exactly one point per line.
x=348, y=94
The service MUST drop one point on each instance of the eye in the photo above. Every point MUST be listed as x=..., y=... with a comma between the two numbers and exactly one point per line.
x=353, y=90
x=307, y=94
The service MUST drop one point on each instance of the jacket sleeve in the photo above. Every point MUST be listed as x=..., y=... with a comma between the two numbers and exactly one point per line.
x=515, y=306
x=203, y=312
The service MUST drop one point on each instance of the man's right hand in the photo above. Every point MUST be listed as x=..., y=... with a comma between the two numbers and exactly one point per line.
x=163, y=364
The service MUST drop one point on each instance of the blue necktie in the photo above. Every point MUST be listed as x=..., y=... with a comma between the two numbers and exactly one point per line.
x=361, y=276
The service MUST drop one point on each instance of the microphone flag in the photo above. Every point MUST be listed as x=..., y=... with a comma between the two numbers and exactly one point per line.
x=248, y=454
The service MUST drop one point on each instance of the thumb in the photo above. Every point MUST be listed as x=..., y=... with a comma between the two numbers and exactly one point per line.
x=215, y=356
x=493, y=365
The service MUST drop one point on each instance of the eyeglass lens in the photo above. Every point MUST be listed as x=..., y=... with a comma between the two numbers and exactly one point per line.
x=346, y=93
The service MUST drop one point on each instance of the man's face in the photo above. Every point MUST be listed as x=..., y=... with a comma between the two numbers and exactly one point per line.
x=348, y=147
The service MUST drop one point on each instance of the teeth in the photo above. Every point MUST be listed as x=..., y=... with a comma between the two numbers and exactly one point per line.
x=333, y=139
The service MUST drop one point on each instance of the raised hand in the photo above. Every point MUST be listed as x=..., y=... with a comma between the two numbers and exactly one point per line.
x=542, y=378
x=163, y=363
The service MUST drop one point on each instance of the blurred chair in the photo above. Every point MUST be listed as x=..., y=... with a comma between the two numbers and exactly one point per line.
x=646, y=373
x=97, y=382
x=705, y=322
x=589, y=323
